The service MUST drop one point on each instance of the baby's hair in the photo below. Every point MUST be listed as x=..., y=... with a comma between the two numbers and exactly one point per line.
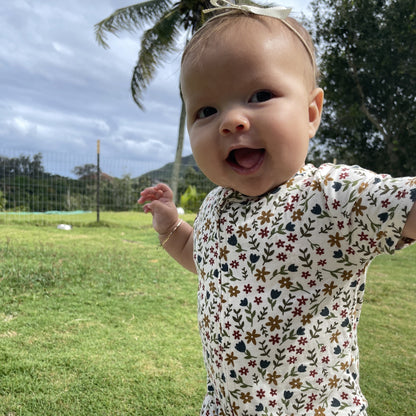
x=220, y=22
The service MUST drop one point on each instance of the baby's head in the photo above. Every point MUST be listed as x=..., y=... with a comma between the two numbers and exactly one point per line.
x=249, y=87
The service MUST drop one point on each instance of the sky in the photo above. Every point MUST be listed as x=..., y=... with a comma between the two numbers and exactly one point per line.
x=60, y=91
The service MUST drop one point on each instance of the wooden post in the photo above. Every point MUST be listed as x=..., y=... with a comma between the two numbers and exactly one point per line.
x=98, y=181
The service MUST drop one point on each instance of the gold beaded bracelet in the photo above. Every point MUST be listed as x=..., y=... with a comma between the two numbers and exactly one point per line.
x=171, y=233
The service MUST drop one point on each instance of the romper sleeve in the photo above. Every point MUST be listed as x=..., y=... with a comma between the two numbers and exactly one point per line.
x=375, y=206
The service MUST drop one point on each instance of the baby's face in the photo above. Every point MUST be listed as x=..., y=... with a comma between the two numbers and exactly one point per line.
x=251, y=108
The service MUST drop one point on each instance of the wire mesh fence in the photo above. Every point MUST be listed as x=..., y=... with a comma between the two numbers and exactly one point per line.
x=58, y=184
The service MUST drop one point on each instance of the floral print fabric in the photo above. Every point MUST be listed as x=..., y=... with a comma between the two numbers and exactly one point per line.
x=281, y=284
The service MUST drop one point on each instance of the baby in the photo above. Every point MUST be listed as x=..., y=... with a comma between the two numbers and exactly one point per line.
x=281, y=248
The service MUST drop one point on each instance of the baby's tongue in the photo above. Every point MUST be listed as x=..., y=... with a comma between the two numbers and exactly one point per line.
x=247, y=158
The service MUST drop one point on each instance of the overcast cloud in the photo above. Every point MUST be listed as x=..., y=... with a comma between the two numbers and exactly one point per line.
x=61, y=91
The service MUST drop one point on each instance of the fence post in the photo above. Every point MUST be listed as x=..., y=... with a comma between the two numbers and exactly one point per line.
x=98, y=181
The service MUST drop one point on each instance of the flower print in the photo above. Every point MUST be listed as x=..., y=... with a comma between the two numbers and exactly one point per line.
x=356, y=401
x=248, y=288
x=233, y=291
x=258, y=300
x=316, y=186
x=260, y=289
x=285, y=282
x=282, y=256
x=223, y=252
x=336, y=204
x=207, y=224
x=230, y=358
x=280, y=243
x=328, y=179
x=312, y=397
x=313, y=373
x=265, y=217
x=320, y=251
x=289, y=207
x=272, y=378
x=273, y=392
x=272, y=403
x=334, y=240
x=274, y=339
x=252, y=336
x=292, y=360
x=345, y=365
x=358, y=208
x=385, y=203
x=274, y=323
x=333, y=382
x=261, y=274
x=242, y=256
x=243, y=371
x=350, y=251
x=363, y=187
x=344, y=395
x=246, y=397
x=264, y=232
x=234, y=408
x=234, y=264
x=306, y=274
x=297, y=215
x=301, y=301
x=328, y=288
x=237, y=335
x=303, y=341
x=229, y=229
x=296, y=383
x=401, y=194
x=306, y=319
x=243, y=230
x=260, y=393
x=320, y=411
x=252, y=363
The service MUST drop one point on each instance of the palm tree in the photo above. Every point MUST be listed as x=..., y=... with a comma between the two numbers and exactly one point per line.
x=157, y=42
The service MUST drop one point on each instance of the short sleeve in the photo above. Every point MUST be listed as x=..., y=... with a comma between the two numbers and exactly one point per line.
x=375, y=206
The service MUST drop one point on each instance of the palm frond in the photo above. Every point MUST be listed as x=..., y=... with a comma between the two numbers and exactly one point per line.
x=130, y=18
x=157, y=42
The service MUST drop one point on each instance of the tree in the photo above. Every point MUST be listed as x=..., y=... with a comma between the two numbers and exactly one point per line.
x=87, y=171
x=157, y=42
x=368, y=62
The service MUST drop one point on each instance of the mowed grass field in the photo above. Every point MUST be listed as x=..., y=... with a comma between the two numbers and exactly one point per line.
x=99, y=320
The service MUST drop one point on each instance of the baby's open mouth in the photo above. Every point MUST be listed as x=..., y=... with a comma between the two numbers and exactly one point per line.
x=245, y=158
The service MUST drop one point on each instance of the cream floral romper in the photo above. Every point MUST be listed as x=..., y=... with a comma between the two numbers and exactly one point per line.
x=281, y=284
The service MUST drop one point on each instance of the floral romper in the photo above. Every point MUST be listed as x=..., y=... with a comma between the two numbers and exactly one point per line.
x=281, y=284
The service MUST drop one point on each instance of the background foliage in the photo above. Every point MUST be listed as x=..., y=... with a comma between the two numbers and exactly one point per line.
x=367, y=50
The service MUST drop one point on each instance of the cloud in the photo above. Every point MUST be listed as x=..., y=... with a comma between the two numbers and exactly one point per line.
x=61, y=91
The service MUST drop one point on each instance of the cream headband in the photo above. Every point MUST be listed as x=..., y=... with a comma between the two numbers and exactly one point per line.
x=278, y=12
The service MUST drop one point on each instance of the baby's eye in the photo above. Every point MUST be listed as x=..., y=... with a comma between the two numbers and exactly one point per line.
x=261, y=96
x=205, y=112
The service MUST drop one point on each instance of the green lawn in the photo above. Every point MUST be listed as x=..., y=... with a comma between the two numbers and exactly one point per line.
x=100, y=321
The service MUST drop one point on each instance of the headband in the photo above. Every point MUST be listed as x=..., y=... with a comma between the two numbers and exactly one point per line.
x=278, y=12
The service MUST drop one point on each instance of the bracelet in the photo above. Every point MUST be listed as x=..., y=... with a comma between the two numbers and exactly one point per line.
x=171, y=233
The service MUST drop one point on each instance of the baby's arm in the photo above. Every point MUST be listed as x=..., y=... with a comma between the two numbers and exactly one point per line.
x=177, y=242
x=409, y=229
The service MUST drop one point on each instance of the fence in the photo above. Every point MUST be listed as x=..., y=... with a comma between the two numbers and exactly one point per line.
x=56, y=183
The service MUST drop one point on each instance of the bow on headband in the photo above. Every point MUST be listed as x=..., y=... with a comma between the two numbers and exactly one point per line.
x=279, y=12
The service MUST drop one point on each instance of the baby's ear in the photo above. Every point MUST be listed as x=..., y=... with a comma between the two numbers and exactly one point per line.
x=316, y=101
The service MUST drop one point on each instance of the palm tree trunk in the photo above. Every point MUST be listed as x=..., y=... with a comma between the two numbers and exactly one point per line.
x=178, y=157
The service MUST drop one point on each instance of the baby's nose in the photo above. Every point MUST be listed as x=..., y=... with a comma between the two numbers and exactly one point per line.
x=234, y=122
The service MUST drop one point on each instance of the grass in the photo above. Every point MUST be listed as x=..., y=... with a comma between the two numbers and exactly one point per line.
x=100, y=321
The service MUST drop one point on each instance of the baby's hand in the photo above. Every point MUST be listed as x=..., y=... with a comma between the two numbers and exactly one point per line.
x=161, y=206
